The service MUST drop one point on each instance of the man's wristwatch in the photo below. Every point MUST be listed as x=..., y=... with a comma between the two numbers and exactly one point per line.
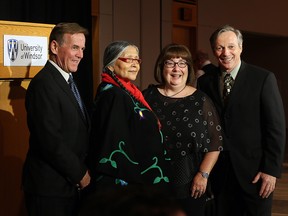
x=204, y=174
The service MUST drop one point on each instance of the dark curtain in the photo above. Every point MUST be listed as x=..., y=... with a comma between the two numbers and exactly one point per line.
x=53, y=12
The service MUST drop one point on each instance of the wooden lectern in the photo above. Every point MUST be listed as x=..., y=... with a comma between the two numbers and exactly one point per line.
x=14, y=134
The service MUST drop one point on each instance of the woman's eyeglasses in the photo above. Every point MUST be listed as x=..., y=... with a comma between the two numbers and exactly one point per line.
x=130, y=60
x=172, y=64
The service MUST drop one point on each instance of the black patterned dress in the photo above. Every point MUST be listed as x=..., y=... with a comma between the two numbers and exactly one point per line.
x=190, y=128
x=126, y=142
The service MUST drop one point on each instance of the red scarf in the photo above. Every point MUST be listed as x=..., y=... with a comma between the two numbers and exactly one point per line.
x=129, y=86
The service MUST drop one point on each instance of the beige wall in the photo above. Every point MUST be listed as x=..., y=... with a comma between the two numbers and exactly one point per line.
x=246, y=15
x=142, y=23
x=265, y=33
x=148, y=24
x=249, y=15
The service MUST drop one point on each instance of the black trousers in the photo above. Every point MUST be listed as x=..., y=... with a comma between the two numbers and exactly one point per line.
x=51, y=206
x=192, y=206
x=231, y=199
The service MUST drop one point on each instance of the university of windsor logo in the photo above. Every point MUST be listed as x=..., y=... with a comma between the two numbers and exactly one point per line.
x=12, y=45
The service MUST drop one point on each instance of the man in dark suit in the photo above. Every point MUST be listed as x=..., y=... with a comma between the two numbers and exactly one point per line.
x=202, y=62
x=202, y=65
x=253, y=118
x=54, y=170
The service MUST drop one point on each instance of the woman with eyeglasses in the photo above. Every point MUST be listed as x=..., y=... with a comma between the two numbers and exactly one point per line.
x=126, y=139
x=190, y=124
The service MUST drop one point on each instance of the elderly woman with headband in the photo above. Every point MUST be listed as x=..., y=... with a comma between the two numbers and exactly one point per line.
x=126, y=138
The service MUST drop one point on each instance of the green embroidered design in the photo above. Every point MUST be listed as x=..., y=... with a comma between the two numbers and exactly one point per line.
x=106, y=87
x=137, y=108
x=121, y=151
x=165, y=151
x=161, y=134
x=155, y=166
x=121, y=182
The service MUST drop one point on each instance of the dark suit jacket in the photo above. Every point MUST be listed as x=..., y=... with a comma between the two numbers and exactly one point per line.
x=253, y=121
x=58, y=136
x=209, y=68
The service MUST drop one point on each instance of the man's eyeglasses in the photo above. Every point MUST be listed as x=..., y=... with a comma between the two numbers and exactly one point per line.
x=130, y=60
x=172, y=64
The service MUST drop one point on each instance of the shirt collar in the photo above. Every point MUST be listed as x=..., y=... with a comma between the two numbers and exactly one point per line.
x=234, y=72
x=62, y=72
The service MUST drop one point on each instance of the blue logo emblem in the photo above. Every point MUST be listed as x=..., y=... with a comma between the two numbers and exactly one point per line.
x=12, y=45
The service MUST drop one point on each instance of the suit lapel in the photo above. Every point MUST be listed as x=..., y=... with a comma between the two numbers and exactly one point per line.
x=215, y=85
x=59, y=79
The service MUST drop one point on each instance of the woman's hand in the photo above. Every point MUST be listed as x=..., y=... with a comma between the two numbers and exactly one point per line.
x=198, y=186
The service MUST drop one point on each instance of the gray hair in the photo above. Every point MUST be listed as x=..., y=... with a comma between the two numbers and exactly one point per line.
x=114, y=50
x=222, y=29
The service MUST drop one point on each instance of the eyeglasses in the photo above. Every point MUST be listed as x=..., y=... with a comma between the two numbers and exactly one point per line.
x=130, y=60
x=172, y=64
